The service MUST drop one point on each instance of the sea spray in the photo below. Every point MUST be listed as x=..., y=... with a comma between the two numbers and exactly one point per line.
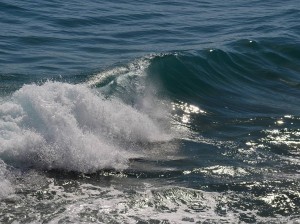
x=135, y=85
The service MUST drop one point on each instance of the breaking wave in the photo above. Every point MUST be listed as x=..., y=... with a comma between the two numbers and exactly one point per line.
x=72, y=127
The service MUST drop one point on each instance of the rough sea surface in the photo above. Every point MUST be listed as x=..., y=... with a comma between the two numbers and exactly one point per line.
x=150, y=111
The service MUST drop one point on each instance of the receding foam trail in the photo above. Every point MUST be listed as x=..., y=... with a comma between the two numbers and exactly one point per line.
x=71, y=127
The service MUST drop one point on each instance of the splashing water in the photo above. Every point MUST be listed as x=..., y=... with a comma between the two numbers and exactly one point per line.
x=71, y=127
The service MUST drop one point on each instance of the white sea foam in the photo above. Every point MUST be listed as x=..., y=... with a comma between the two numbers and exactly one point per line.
x=71, y=127
x=6, y=187
x=159, y=205
x=170, y=205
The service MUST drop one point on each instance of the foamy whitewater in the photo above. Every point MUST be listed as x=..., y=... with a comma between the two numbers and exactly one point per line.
x=71, y=127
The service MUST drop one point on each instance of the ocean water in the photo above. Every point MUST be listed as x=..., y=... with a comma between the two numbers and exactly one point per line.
x=149, y=111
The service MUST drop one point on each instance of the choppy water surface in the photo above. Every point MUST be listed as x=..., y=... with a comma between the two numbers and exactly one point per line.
x=149, y=112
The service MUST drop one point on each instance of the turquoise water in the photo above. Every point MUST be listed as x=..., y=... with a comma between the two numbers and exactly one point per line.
x=149, y=112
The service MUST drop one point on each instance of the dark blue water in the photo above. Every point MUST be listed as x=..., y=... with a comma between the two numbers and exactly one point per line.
x=149, y=112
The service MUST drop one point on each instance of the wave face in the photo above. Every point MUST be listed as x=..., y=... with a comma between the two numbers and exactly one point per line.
x=259, y=79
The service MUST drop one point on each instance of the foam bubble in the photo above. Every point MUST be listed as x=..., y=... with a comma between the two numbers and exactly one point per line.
x=71, y=127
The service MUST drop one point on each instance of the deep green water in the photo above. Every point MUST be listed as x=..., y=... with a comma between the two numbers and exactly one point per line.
x=150, y=112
